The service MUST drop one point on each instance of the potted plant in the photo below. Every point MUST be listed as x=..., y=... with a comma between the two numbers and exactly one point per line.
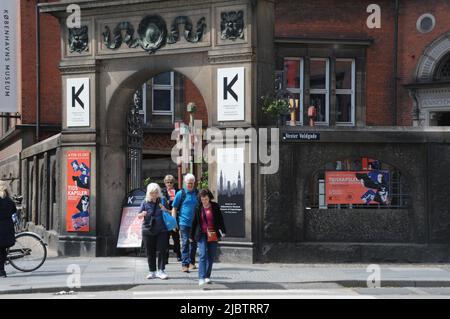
x=275, y=107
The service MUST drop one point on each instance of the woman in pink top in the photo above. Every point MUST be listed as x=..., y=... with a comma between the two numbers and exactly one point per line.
x=207, y=218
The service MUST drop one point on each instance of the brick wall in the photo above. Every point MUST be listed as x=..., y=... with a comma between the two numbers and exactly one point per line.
x=192, y=94
x=50, y=57
x=345, y=18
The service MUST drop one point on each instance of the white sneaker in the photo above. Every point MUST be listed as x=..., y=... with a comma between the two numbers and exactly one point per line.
x=151, y=275
x=162, y=275
x=201, y=282
x=208, y=281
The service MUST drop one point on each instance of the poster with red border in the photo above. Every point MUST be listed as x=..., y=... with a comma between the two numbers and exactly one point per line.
x=78, y=191
x=357, y=187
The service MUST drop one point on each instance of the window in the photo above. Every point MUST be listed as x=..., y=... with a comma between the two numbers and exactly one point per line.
x=293, y=69
x=319, y=70
x=358, y=183
x=322, y=87
x=443, y=71
x=156, y=99
x=345, y=91
x=426, y=23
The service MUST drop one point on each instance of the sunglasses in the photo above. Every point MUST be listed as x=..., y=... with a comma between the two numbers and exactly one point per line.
x=169, y=182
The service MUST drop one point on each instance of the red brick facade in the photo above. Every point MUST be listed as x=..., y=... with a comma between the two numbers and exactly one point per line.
x=320, y=18
x=50, y=56
x=192, y=94
x=340, y=19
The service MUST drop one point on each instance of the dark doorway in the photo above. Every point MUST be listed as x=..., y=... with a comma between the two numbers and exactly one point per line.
x=440, y=119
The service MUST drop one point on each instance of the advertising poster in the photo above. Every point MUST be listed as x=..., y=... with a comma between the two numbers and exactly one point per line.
x=230, y=189
x=130, y=231
x=78, y=191
x=357, y=187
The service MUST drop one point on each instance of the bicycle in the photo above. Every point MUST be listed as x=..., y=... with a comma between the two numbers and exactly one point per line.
x=29, y=252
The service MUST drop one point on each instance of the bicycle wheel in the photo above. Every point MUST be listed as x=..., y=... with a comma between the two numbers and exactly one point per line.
x=28, y=253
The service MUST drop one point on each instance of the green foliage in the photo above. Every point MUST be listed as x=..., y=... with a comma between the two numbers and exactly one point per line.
x=274, y=106
x=147, y=181
x=203, y=181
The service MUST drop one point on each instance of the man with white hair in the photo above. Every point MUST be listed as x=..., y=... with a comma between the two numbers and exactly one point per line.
x=185, y=204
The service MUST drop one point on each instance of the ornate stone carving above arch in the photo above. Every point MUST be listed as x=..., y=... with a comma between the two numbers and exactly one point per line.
x=431, y=58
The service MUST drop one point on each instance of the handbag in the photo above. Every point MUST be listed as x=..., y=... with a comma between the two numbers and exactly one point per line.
x=211, y=235
x=148, y=229
x=170, y=221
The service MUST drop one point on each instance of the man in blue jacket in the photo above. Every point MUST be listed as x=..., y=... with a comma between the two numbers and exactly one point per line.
x=184, y=205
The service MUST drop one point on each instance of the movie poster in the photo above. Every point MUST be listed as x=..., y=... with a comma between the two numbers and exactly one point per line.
x=230, y=189
x=78, y=191
x=357, y=187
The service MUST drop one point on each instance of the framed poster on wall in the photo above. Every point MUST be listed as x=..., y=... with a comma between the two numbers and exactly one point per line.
x=78, y=191
x=357, y=187
x=231, y=190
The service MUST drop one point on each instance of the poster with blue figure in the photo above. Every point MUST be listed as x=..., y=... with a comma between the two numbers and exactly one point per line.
x=82, y=180
x=377, y=183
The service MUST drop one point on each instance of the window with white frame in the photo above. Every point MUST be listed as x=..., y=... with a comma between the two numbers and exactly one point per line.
x=293, y=70
x=319, y=82
x=163, y=95
x=321, y=87
x=345, y=91
x=158, y=101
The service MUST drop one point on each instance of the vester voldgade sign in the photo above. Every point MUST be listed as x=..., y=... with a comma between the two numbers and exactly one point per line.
x=301, y=136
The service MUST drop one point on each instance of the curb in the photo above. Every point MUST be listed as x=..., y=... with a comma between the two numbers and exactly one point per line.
x=237, y=286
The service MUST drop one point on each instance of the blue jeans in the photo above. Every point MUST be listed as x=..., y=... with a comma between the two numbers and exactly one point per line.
x=188, y=249
x=207, y=252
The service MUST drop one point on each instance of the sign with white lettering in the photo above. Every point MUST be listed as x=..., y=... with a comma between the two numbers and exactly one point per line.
x=230, y=94
x=8, y=56
x=130, y=231
x=77, y=103
x=301, y=136
x=231, y=189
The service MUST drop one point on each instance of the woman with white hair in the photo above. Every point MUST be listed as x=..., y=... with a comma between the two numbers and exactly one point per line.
x=154, y=231
x=7, y=238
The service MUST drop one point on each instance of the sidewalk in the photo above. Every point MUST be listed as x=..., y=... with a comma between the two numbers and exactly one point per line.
x=120, y=273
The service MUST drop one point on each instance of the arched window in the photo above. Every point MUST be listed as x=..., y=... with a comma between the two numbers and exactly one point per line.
x=362, y=183
x=443, y=71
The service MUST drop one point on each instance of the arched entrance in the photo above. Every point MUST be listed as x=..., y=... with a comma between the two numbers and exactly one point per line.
x=158, y=106
x=431, y=92
x=114, y=160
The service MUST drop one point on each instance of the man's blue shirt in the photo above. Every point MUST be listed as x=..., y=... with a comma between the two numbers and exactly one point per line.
x=186, y=212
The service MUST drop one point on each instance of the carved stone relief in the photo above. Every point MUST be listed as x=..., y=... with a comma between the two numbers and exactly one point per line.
x=78, y=39
x=152, y=33
x=232, y=25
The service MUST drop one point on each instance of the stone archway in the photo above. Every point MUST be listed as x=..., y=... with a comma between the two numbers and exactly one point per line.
x=431, y=58
x=118, y=84
x=430, y=96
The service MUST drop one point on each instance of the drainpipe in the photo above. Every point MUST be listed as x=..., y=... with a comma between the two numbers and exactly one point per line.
x=38, y=72
x=395, y=71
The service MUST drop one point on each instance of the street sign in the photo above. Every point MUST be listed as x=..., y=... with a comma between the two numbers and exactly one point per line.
x=8, y=56
x=77, y=103
x=230, y=94
x=301, y=136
